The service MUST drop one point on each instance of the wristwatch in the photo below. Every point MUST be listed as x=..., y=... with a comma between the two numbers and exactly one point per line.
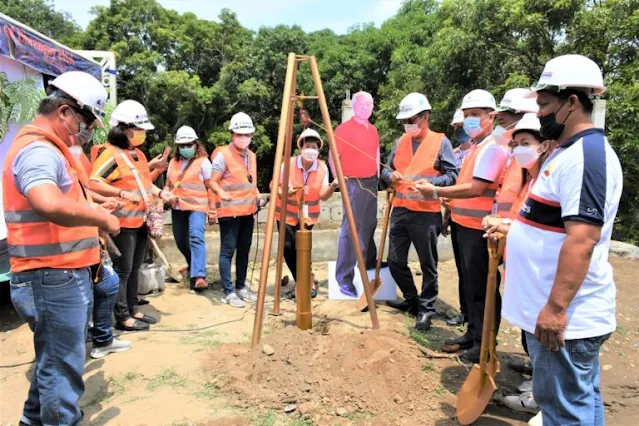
x=506, y=221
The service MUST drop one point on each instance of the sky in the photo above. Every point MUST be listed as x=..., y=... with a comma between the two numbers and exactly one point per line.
x=311, y=15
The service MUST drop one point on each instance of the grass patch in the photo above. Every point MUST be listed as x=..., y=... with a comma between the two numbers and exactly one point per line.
x=207, y=339
x=428, y=366
x=264, y=419
x=427, y=341
x=302, y=421
x=113, y=388
x=167, y=377
x=622, y=330
x=357, y=415
x=441, y=391
x=208, y=391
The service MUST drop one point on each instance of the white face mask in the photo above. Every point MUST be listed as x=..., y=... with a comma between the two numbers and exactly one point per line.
x=526, y=156
x=242, y=142
x=499, y=134
x=310, y=154
x=411, y=129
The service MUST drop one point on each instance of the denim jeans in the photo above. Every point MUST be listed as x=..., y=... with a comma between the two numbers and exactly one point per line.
x=188, y=231
x=132, y=243
x=236, y=234
x=55, y=303
x=567, y=383
x=104, y=294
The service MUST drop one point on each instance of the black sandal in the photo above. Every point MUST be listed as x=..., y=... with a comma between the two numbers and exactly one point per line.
x=147, y=319
x=137, y=326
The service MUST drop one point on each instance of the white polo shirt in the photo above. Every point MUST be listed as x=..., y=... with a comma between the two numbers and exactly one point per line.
x=580, y=181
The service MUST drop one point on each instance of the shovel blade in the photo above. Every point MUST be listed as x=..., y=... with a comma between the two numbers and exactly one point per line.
x=474, y=395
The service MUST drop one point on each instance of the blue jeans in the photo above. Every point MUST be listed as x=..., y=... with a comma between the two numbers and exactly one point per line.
x=236, y=234
x=55, y=303
x=188, y=231
x=104, y=295
x=567, y=383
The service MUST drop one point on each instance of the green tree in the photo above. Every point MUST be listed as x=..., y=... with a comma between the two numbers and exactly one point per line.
x=41, y=16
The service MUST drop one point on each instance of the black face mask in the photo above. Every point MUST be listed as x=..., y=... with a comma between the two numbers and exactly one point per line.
x=550, y=129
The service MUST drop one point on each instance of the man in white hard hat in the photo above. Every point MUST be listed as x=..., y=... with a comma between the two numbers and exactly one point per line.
x=420, y=153
x=53, y=241
x=560, y=287
x=234, y=181
x=472, y=200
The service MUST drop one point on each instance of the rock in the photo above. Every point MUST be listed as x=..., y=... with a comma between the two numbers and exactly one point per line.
x=625, y=250
x=341, y=411
x=392, y=350
x=268, y=350
x=290, y=408
x=606, y=367
x=397, y=399
x=306, y=408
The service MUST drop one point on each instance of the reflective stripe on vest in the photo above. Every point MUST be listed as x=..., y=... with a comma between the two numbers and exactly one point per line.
x=33, y=241
x=510, y=189
x=190, y=191
x=416, y=167
x=312, y=188
x=469, y=212
x=243, y=191
x=132, y=215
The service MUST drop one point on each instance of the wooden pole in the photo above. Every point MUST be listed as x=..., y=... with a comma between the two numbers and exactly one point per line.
x=268, y=238
x=328, y=127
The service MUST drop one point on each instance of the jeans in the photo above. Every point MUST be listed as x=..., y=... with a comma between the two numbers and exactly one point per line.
x=568, y=386
x=132, y=243
x=363, y=197
x=236, y=234
x=188, y=231
x=420, y=229
x=104, y=294
x=290, y=252
x=56, y=305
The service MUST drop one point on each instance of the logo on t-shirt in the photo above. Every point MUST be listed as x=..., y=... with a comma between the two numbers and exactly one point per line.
x=548, y=169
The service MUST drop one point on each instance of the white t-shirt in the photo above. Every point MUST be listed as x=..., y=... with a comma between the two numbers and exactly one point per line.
x=581, y=181
x=490, y=161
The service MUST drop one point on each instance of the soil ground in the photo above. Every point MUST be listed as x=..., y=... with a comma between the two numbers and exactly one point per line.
x=339, y=373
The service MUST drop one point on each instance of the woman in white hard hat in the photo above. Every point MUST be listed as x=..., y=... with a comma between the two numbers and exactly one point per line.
x=122, y=170
x=189, y=178
x=234, y=181
x=310, y=175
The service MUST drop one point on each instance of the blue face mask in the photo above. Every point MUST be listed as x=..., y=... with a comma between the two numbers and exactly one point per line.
x=472, y=126
x=187, y=152
x=461, y=136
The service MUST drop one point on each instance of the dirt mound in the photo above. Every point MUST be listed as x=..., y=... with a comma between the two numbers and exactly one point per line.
x=354, y=377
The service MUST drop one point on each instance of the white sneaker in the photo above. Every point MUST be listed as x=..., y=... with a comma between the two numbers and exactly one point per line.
x=525, y=386
x=536, y=421
x=524, y=403
x=232, y=300
x=247, y=296
x=115, y=346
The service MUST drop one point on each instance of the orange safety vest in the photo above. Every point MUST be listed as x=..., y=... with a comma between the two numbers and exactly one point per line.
x=414, y=168
x=510, y=188
x=469, y=212
x=191, y=190
x=33, y=241
x=132, y=215
x=312, y=188
x=238, y=185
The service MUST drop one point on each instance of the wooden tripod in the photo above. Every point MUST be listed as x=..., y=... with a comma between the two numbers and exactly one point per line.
x=282, y=157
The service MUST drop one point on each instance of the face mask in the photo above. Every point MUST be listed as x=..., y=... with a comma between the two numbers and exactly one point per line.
x=84, y=133
x=499, y=134
x=76, y=150
x=472, y=126
x=461, y=136
x=526, y=156
x=187, y=152
x=550, y=129
x=310, y=154
x=242, y=142
x=138, y=138
x=411, y=129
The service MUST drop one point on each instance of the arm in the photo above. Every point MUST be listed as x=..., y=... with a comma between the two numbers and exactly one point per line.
x=386, y=172
x=327, y=190
x=446, y=164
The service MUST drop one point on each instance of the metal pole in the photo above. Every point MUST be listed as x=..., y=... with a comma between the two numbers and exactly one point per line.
x=303, y=245
x=342, y=184
x=268, y=238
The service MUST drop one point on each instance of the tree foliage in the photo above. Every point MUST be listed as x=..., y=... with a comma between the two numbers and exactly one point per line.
x=192, y=71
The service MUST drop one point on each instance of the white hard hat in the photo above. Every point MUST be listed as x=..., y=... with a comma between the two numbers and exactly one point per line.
x=478, y=98
x=567, y=71
x=309, y=134
x=185, y=134
x=528, y=122
x=86, y=90
x=411, y=105
x=241, y=124
x=133, y=113
x=518, y=101
x=458, y=117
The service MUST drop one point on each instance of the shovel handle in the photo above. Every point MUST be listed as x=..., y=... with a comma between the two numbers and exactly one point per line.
x=390, y=195
x=158, y=252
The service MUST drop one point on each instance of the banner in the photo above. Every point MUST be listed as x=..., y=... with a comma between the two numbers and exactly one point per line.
x=29, y=48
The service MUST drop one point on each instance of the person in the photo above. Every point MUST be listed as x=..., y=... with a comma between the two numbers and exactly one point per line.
x=188, y=179
x=357, y=143
x=310, y=175
x=53, y=241
x=115, y=173
x=461, y=152
x=234, y=182
x=420, y=153
x=560, y=288
x=472, y=199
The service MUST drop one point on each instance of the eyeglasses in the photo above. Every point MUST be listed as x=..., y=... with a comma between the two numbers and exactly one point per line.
x=88, y=119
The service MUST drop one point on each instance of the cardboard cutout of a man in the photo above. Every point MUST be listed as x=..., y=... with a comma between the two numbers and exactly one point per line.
x=357, y=143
